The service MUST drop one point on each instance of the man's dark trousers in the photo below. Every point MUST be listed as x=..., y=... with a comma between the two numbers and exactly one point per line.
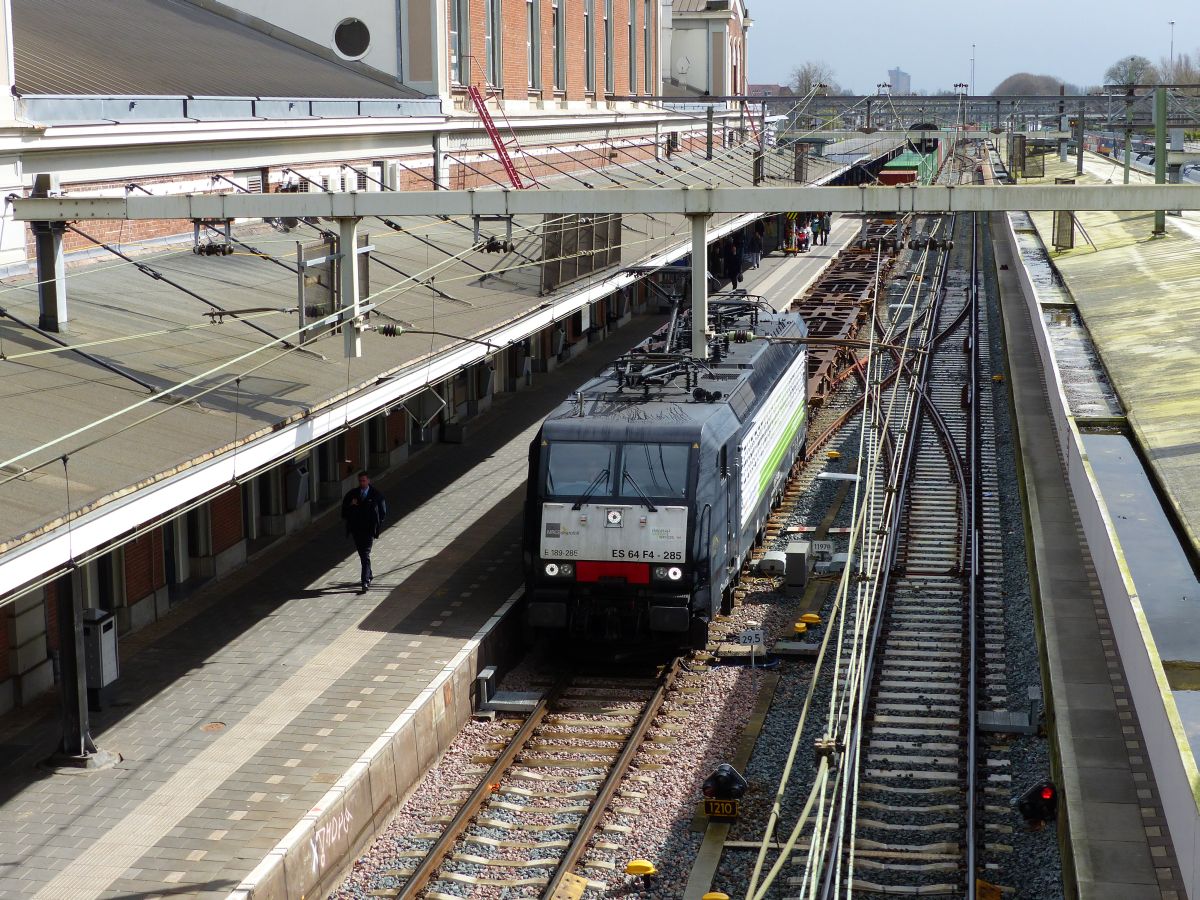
x=363, y=510
x=362, y=543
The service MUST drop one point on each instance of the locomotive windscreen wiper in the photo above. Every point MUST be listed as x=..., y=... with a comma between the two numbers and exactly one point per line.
x=602, y=475
x=637, y=487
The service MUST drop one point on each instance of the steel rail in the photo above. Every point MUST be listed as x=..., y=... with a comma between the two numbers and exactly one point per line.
x=891, y=550
x=974, y=519
x=574, y=852
x=432, y=862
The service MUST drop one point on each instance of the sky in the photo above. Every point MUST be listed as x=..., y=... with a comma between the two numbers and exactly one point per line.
x=1072, y=40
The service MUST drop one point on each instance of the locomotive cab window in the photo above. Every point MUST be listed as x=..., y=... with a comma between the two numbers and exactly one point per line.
x=573, y=466
x=656, y=470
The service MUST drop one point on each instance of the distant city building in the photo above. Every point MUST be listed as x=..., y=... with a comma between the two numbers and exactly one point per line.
x=771, y=90
x=900, y=81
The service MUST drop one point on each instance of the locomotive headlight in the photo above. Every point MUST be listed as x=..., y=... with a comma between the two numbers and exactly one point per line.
x=566, y=570
x=552, y=569
x=660, y=572
x=674, y=573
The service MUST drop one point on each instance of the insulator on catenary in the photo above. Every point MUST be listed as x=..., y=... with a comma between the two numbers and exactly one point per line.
x=390, y=329
x=739, y=337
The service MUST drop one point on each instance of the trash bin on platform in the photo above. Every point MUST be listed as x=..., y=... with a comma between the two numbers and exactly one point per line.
x=101, y=663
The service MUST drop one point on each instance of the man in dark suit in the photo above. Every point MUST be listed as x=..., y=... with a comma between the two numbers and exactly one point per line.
x=363, y=510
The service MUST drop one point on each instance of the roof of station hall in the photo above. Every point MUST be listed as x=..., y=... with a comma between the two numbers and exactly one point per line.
x=168, y=47
x=137, y=318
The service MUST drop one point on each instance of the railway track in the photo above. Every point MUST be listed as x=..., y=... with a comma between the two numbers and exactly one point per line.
x=903, y=794
x=526, y=825
x=910, y=764
x=914, y=829
x=919, y=780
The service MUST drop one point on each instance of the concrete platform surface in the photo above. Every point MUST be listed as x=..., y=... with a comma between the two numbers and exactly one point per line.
x=1112, y=821
x=1140, y=299
x=238, y=713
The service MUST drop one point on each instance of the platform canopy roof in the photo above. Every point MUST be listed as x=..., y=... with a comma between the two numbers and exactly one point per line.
x=425, y=277
x=169, y=48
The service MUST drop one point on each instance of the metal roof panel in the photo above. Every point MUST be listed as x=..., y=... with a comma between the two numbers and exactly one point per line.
x=157, y=47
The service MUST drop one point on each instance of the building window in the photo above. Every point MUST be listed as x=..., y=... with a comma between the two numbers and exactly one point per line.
x=352, y=38
x=646, y=54
x=491, y=41
x=589, y=46
x=460, y=41
x=609, y=73
x=559, y=13
x=633, y=5
x=533, y=42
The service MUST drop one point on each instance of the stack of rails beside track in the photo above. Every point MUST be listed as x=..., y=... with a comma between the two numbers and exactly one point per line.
x=836, y=308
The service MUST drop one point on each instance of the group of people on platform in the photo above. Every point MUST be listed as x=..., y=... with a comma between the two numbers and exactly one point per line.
x=743, y=250
x=808, y=230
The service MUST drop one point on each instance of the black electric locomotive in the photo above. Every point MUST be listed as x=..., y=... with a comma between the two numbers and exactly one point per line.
x=650, y=485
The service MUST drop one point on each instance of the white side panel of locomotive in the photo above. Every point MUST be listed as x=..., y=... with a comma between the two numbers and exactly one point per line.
x=608, y=532
x=770, y=434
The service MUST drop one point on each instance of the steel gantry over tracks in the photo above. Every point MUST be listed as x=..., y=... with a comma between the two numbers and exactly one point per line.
x=698, y=202
x=691, y=200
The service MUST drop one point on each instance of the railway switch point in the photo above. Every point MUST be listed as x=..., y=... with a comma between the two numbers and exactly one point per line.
x=827, y=747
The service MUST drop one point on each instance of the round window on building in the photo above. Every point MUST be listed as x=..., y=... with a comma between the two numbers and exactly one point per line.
x=352, y=38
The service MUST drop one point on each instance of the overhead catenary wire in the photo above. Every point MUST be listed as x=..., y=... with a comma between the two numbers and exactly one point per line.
x=150, y=271
x=395, y=289
x=101, y=342
x=864, y=487
x=64, y=346
x=409, y=279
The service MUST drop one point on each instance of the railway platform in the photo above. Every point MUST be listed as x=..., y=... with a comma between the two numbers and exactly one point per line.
x=267, y=727
x=1115, y=830
x=236, y=716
